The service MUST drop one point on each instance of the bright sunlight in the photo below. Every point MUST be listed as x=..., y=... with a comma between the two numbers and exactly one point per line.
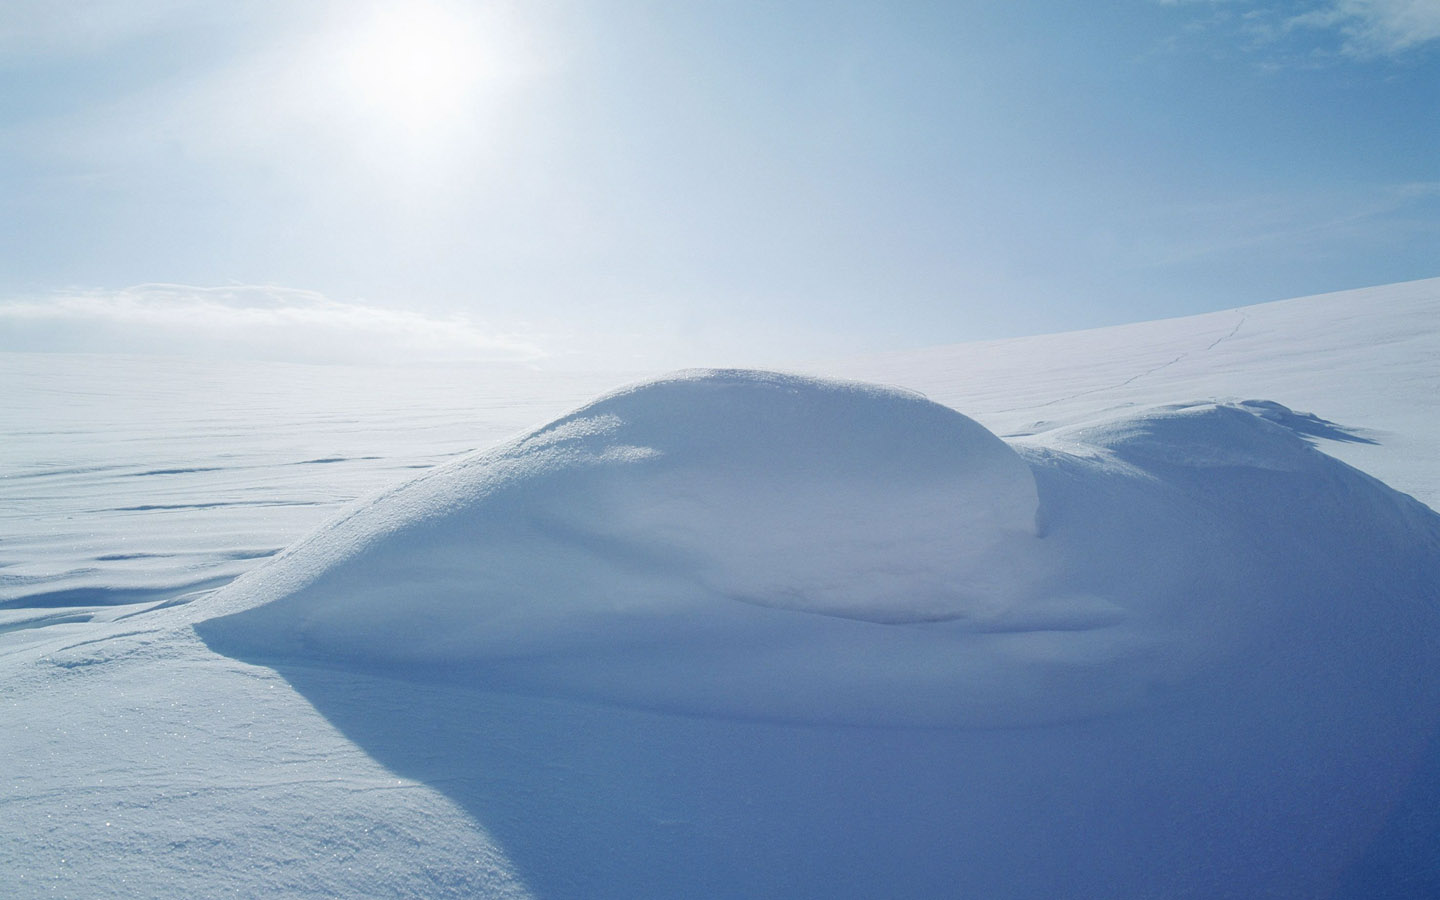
x=418, y=75
x=415, y=66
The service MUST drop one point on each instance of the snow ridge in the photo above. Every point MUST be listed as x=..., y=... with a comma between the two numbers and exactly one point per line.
x=756, y=545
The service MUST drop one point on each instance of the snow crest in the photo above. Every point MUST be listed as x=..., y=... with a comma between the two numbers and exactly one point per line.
x=765, y=546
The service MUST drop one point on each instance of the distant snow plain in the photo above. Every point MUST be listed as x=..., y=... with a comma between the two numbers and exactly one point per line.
x=1158, y=619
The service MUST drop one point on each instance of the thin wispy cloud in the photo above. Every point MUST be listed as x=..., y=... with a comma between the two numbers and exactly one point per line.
x=1376, y=27
x=1360, y=29
x=248, y=321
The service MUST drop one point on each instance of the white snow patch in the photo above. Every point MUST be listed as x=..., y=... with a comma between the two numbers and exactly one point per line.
x=1224, y=638
x=767, y=546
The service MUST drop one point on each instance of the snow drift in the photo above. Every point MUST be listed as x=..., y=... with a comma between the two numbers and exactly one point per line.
x=764, y=546
x=1223, y=639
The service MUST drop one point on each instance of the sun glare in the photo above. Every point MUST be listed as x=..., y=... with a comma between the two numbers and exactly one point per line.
x=414, y=67
x=417, y=74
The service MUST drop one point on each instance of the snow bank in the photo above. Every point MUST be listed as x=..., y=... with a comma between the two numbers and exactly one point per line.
x=764, y=546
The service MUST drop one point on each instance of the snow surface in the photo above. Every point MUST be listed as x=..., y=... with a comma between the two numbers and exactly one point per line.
x=713, y=543
x=129, y=479
x=737, y=634
x=1364, y=358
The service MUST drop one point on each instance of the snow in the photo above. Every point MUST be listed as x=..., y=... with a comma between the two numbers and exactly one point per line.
x=712, y=543
x=1363, y=358
x=684, y=520
x=726, y=633
x=134, y=478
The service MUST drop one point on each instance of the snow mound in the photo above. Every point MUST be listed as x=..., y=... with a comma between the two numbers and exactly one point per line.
x=825, y=497
x=1208, y=435
x=766, y=546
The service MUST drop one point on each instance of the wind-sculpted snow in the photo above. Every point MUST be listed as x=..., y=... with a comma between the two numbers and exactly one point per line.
x=762, y=546
x=1222, y=638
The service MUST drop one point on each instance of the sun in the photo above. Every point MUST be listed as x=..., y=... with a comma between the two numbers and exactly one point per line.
x=419, y=72
x=404, y=99
x=414, y=65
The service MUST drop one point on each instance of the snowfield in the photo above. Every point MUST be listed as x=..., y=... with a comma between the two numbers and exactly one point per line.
x=1156, y=616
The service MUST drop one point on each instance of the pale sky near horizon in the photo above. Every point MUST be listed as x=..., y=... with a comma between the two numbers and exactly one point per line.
x=705, y=182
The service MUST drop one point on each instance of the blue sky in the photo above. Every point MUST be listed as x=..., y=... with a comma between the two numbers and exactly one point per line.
x=662, y=183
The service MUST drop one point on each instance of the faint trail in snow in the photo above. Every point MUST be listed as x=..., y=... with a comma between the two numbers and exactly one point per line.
x=1225, y=337
x=1148, y=372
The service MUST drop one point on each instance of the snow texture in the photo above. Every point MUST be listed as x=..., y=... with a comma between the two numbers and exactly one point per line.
x=714, y=543
x=733, y=634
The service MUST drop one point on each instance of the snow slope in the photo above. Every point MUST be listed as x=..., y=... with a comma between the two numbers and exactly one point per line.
x=1363, y=358
x=714, y=543
x=731, y=634
x=129, y=479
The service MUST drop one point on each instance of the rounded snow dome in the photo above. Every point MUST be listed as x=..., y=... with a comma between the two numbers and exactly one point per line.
x=757, y=545
x=736, y=523
x=842, y=499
